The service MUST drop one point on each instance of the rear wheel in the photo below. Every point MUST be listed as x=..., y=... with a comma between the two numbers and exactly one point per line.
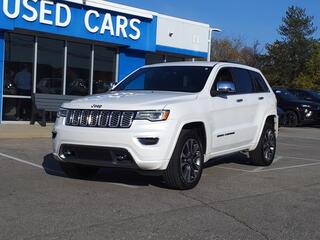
x=264, y=154
x=79, y=171
x=186, y=164
x=292, y=119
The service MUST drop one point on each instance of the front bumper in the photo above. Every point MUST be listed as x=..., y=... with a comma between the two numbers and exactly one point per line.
x=144, y=157
x=309, y=115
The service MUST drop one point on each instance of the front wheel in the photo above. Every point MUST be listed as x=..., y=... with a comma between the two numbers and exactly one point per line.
x=292, y=119
x=265, y=152
x=186, y=164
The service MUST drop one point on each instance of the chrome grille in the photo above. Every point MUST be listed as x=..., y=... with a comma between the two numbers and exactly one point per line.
x=84, y=118
x=104, y=118
x=126, y=119
x=76, y=117
x=99, y=118
x=114, y=119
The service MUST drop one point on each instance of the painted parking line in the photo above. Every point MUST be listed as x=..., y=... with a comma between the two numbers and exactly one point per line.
x=278, y=158
x=21, y=161
x=55, y=171
x=296, y=145
x=304, y=138
x=305, y=159
x=291, y=167
x=259, y=169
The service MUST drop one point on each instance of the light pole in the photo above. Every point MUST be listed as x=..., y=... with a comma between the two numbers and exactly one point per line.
x=211, y=30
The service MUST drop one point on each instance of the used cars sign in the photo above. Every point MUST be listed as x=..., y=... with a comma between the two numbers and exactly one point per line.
x=79, y=21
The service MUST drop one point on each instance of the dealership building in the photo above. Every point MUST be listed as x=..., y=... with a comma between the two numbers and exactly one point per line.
x=79, y=47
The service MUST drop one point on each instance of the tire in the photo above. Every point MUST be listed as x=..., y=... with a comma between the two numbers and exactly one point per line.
x=292, y=119
x=185, y=167
x=78, y=171
x=265, y=152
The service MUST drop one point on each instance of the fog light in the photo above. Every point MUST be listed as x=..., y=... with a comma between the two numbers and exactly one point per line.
x=66, y=154
x=122, y=157
x=308, y=114
x=148, y=141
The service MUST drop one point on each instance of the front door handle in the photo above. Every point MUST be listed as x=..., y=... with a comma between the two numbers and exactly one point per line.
x=261, y=98
x=240, y=100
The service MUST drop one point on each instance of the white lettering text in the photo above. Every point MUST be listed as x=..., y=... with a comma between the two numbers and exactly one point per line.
x=44, y=11
x=34, y=12
x=87, y=18
x=107, y=24
x=16, y=11
x=67, y=21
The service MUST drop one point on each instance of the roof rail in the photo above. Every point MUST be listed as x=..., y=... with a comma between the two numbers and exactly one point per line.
x=230, y=61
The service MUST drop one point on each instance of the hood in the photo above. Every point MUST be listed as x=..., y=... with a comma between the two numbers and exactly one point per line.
x=130, y=100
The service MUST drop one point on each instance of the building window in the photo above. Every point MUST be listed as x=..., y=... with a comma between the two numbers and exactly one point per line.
x=18, y=67
x=153, y=58
x=171, y=58
x=16, y=109
x=104, y=69
x=50, y=66
x=78, y=69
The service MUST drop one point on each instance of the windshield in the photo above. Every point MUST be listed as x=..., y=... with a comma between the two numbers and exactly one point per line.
x=285, y=94
x=172, y=78
x=315, y=94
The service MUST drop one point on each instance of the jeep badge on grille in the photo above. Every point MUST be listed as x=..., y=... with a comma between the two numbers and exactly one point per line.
x=96, y=106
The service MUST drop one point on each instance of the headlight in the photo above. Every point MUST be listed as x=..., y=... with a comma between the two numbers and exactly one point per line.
x=153, y=116
x=62, y=112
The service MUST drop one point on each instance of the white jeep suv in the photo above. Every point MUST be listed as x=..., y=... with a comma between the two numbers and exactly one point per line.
x=170, y=119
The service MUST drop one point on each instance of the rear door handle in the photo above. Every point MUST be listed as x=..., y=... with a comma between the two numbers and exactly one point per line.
x=240, y=100
x=261, y=98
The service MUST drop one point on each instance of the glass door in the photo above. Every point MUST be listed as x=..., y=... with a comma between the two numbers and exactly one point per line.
x=18, y=77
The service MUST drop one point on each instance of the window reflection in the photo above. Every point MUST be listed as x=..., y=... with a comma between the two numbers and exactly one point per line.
x=104, y=65
x=171, y=58
x=78, y=69
x=50, y=66
x=16, y=109
x=152, y=58
x=18, y=65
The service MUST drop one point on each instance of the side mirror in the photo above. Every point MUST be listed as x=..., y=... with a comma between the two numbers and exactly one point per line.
x=225, y=87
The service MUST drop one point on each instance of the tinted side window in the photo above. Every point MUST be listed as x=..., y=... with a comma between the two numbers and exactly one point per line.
x=260, y=84
x=242, y=80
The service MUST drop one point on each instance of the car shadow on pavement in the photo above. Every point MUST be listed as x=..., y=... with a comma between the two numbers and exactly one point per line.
x=110, y=175
x=237, y=158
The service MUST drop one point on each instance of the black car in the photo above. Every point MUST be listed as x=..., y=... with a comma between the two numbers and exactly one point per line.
x=282, y=117
x=306, y=94
x=298, y=112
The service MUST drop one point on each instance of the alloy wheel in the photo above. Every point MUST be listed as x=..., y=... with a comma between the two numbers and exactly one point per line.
x=269, y=145
x=190, y=160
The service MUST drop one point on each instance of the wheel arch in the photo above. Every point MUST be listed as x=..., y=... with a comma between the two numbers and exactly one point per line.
x=272, y=119
x=200, y=130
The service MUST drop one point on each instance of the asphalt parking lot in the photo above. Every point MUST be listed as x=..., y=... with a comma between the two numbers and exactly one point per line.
x=234, y=200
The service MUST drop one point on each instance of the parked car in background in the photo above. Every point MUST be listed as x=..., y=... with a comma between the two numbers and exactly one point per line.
x=282, y=116
x=306, y=94
x=49, y=85
x=297, y=111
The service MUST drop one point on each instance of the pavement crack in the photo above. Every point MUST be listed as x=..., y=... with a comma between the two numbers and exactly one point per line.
x=239, y=221
x=226, y=214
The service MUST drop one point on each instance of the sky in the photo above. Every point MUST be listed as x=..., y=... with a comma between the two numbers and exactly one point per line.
x=249, y=20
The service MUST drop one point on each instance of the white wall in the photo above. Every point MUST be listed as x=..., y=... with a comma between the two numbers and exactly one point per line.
x=186, y=34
